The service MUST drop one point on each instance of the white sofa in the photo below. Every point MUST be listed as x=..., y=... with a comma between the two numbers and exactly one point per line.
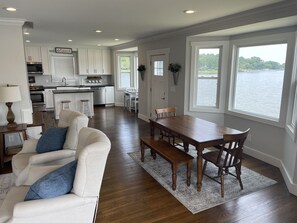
x=80, y=205
x=28, y=159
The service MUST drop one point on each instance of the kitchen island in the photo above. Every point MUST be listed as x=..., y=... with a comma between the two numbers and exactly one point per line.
x=74, y=95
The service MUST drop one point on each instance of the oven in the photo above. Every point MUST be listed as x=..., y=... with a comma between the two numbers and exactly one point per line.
x=37, y=97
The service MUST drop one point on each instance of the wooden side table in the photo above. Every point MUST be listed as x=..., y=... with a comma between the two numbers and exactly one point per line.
x=4, y=130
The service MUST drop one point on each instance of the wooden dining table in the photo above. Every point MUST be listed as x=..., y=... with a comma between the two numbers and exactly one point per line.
x=194, y=131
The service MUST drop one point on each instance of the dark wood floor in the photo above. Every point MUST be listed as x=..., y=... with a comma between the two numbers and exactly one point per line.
x=130, y=194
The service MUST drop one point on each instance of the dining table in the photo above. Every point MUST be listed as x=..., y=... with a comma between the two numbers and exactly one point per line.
x=193, y=131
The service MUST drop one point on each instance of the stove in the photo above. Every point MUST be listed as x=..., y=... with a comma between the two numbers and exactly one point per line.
x=93, y=81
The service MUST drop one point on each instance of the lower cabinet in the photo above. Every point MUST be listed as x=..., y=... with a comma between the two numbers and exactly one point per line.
x=109, y=95
x=49, y=98
x=75, y=101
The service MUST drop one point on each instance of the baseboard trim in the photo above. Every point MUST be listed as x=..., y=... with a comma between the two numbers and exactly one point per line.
x=143, y=117
x=274, y=162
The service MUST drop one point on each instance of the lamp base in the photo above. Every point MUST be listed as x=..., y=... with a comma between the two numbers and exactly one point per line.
x=10, y=116
x=11, y=125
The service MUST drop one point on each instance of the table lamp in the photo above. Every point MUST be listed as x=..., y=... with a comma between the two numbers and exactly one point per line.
x=10, y=94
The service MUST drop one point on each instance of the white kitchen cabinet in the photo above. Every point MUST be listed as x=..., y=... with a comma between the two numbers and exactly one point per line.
x=46, y=62
x=75, y=97
x=109, y=95
x=94, y=61
x=33, y=54
x=49, y=98
x=83, y=64
x=106, y=61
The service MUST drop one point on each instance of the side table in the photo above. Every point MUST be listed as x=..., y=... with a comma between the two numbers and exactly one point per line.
x=4, y=130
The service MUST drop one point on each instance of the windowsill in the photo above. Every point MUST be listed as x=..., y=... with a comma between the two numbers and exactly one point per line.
x=290, y=131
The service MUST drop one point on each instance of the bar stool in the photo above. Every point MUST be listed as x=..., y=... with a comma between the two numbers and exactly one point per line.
x=85, y=107
x=66, y=104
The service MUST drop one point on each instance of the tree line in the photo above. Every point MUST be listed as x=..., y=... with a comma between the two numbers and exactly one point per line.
x=208, y=63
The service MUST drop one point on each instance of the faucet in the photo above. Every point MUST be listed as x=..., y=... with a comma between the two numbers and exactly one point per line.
x=64, y=81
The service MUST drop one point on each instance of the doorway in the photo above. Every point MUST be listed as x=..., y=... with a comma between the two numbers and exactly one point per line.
x=158, y=82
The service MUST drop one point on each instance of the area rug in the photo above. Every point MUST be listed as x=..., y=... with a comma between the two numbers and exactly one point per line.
x=6, y=182
x=210, y=195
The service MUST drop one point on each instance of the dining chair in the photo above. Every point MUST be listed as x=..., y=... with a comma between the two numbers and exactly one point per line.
x=163, y=113
x=227, y=155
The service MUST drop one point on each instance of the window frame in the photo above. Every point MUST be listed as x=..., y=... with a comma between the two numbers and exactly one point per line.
x=221, y=79
x=259, y=41
x=133, y=66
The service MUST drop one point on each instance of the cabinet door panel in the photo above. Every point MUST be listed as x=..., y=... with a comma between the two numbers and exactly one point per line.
x=106, y=61
x=83, y=61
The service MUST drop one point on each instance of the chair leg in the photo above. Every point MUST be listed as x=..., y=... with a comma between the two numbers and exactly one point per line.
x=222, y=183
x=204, y=167
x=238, y=174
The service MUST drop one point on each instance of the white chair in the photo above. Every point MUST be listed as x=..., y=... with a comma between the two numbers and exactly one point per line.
x=27, y=157
x=79, y=206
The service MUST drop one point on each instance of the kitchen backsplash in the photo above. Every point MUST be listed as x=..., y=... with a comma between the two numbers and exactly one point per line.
x=48, y=80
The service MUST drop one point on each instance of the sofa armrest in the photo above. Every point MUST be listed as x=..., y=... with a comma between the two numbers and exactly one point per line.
x=53, y=205
x=51, y=156
x=29, y=146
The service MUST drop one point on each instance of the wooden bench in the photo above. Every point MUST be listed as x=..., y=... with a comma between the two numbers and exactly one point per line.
x=170, y=153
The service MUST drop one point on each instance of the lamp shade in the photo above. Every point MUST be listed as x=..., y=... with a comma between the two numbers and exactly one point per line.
x=10, y=93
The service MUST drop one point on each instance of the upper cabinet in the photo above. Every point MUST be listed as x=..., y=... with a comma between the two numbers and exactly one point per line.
x=94, y=61
x=33, y=54
x=40, y=55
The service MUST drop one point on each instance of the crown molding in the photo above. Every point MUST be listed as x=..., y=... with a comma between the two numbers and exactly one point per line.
x=12, y=22
x=261, y=14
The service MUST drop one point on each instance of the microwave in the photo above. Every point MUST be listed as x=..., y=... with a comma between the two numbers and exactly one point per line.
x=34, y=68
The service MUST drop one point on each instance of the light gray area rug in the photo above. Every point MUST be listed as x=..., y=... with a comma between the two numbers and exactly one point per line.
x=6, y=182
x=210, y=195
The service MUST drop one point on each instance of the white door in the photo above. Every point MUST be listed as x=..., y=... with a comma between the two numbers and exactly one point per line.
x=159, y=82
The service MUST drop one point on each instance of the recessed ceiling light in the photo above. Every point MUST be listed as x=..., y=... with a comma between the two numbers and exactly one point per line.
x=98, y=44
x=98, y=31
x=70, y=40
x=26, y=33
x=28, y=41
x=10, y=9
x=116, y=39
x=189, y=11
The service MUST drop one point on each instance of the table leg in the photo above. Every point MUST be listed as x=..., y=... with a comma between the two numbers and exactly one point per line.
x=199, y=167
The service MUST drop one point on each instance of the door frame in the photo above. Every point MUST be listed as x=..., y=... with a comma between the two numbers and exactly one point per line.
x=149, y=54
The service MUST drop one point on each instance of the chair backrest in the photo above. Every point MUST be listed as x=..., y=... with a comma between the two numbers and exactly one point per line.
x=92, y=151
x=165, y=112
x=74, y=121
x=231, y=150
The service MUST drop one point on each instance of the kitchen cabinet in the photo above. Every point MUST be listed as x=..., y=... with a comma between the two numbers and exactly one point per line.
x=109, y=94
x=33, y=54
x=94, y=61
x=106, y=61
x=46, y=62
x=83, y=66
x=49, y=98
x=75, y=96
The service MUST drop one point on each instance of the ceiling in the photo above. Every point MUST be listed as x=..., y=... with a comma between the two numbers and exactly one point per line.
x=57, y=21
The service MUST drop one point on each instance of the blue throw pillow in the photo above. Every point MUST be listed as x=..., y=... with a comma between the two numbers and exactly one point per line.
x=56, y=183
x=52, y=139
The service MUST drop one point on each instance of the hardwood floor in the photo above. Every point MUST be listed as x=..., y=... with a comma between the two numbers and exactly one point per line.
x=130, y=194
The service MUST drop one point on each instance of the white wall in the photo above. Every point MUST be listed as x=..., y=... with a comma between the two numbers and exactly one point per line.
x=13, y=69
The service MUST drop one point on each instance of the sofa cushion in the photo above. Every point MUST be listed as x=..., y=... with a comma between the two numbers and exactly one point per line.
x=52, y=139
x=56, y=183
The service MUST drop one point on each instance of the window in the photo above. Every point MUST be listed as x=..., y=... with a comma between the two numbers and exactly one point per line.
x=258, y=80
x=158, y=68
x=207, y=77
x=127, y=71
x=209, y=60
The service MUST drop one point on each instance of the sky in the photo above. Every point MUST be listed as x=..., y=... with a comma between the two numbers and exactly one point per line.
x=276, y=52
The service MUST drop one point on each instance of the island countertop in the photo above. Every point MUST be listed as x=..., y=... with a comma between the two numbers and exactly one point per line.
x=72, y=91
